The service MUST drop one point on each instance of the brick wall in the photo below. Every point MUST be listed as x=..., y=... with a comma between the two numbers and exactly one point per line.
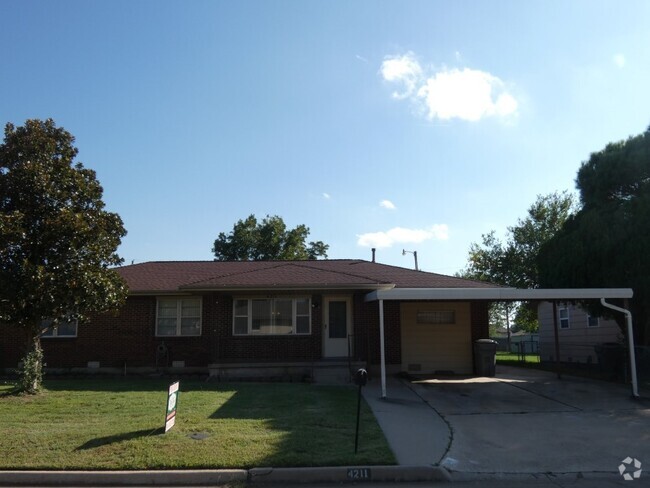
x=129, y=337
x=12, y=346
x=480, y=320
x=113, y=339
x=366, y=331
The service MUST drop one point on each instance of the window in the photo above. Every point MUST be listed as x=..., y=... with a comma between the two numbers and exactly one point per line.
x=438, y=317
x=271, y=316
x=61, y=329
x=564, y=318
x=178, y=317
x=592, y=321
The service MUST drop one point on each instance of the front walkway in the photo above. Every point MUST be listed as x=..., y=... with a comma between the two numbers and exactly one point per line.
x=416, y=433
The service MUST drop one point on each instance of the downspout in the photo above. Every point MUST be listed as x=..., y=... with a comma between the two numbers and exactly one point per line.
x=630, y=343
x=382, y=347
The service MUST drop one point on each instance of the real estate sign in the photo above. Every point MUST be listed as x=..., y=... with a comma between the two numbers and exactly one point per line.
x=172, y=402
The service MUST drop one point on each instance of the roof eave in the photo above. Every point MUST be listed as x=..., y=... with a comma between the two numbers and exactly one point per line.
x=313, y=287
x=188, y=290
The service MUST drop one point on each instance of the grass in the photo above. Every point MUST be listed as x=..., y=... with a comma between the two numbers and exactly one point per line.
x=117, y=424
x=515, y=360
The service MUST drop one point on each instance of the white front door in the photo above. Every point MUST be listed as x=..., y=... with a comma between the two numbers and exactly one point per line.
x=337, y=326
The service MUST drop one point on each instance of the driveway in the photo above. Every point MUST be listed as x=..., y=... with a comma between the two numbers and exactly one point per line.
x=526, y=421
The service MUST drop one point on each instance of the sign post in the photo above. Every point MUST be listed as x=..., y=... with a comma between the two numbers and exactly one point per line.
x=172, y=402
x=360, y=378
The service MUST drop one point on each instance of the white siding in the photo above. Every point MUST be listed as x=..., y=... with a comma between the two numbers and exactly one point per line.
x=578, y=341
x=427, y=348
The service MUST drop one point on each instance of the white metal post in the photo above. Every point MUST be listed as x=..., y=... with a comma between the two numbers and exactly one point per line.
x=382, y=347
x=630, y=343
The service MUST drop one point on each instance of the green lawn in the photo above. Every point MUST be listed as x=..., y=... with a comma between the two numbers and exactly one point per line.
x=514, y=358
x=116, y=424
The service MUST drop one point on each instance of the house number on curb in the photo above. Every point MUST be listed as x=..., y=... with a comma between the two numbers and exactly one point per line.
x=172, y=402
x=359, y=474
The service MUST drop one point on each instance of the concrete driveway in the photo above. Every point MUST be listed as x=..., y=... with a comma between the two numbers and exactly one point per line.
x=525, y=421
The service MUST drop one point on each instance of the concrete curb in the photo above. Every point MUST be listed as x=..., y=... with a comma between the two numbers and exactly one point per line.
x=340, y=474
x=529, y=477
x=280, y=476
x=122, y=478
x=348, y=474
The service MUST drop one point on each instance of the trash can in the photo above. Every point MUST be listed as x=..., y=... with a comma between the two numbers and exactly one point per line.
x=485, y=357
x=611, y=360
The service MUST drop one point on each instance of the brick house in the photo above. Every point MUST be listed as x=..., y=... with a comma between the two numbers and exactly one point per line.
x=239, y=318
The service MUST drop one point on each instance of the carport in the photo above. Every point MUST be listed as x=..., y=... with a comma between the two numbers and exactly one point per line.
x=505, y=294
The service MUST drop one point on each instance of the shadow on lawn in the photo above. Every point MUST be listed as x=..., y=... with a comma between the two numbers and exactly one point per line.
x=118, y=384
x=275, y=406
x=316, y=425
x=113, y=439
x=280, y=402
x=14, y=392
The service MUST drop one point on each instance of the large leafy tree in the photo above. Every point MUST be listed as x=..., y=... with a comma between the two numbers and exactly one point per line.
x=513, y=262
x=57, y=243
x=607, y=243
x=269, y=239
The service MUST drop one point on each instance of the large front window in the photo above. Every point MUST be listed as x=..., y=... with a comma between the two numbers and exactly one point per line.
x=272, y=316
x=178, y=317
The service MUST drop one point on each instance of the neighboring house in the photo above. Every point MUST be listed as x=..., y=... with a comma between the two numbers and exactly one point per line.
x=578, y=333
x=229, y=316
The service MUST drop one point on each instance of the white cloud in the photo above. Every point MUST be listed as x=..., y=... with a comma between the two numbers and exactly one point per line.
x=387, y=204
x=403, y=70
x=401, y=235
x=619, y=60
x=326, y=196
x=466, y=94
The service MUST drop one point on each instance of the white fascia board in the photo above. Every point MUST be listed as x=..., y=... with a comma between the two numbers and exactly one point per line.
x=497, y=294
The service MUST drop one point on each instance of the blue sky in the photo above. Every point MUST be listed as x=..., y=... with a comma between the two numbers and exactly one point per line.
x=399, y=125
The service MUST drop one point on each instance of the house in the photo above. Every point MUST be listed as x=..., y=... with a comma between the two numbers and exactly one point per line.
x=578, y=333
x=239, y=319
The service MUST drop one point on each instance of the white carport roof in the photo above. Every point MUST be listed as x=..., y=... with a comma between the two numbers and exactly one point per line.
x=498, y=294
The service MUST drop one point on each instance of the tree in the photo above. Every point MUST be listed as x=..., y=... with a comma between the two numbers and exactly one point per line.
x=56, y=240
x=514, y=262
x=251, y=240
x=606, y=243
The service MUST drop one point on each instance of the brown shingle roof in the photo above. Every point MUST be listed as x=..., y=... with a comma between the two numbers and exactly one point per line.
x=170, y=276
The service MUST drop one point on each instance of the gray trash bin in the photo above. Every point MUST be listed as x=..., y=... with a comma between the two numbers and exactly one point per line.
x=485, y=357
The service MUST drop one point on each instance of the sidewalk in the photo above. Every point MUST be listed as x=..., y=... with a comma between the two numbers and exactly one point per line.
x=415, y=432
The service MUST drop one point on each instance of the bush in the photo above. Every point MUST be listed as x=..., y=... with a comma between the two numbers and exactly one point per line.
x=30, y=374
